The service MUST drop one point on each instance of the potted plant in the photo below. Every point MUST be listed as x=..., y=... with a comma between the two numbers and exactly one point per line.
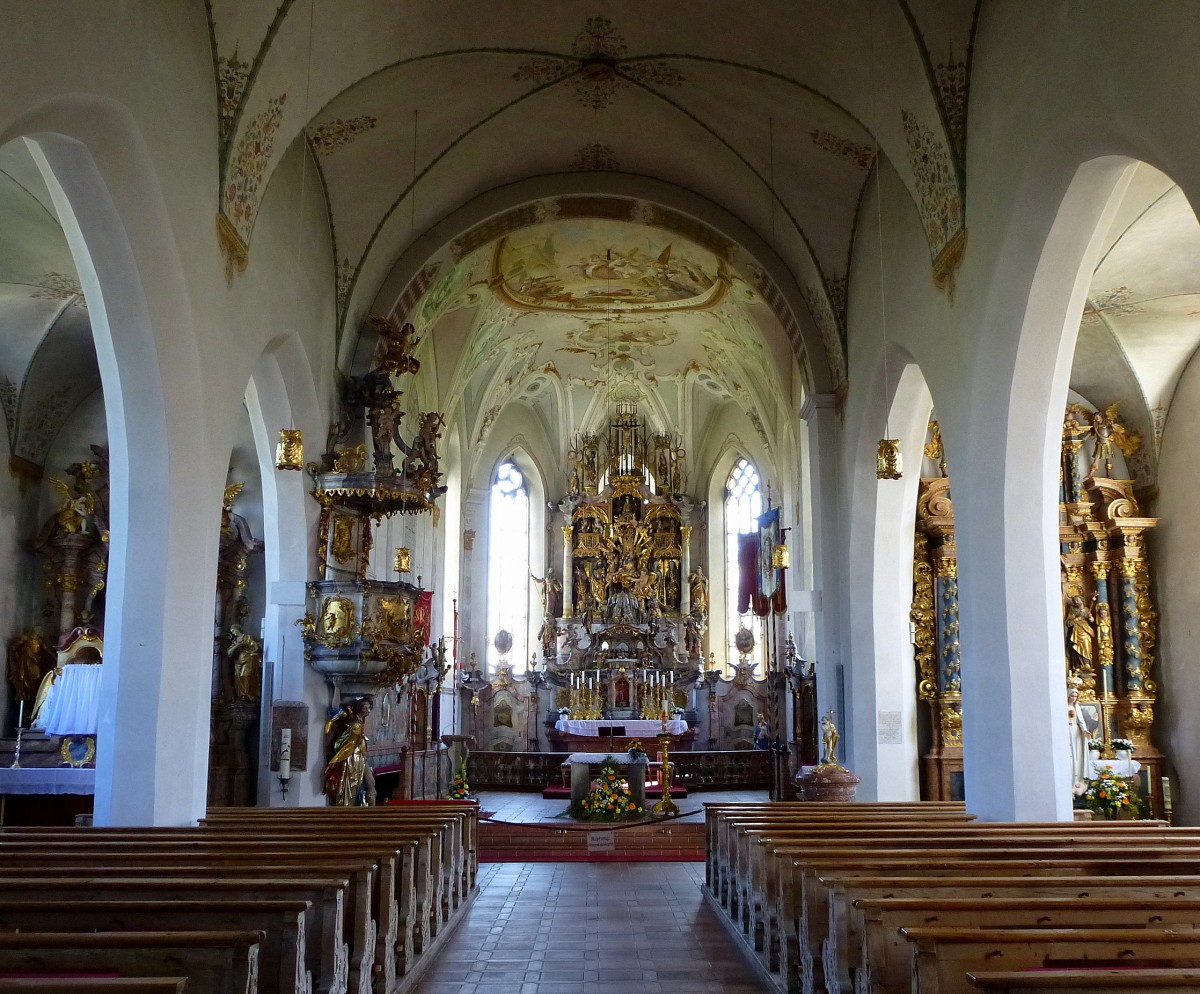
x=1123, y=746
x=1095, y=745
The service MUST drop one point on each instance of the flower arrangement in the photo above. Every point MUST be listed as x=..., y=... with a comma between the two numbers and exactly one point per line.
x=1095, y=745
x=610, y=799
x=564, y=712
x=1125, y=744
x=637, y=751
x=678, y=713
x=1110, y=794
x=460, y=790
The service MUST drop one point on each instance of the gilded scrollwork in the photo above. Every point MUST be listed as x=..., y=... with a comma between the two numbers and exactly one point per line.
x=922, y=616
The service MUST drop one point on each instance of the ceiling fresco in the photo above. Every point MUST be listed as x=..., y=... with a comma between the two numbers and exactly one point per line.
x=598, y=266
x=563, y=316
x=775, y=111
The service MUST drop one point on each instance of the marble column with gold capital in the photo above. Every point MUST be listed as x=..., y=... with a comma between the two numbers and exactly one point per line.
x=685, y=569
x=945, y=564
x=568, y=575
x=1104, y=631
x=1130, y=629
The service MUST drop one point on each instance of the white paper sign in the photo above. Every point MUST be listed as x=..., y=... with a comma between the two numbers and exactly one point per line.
x=888, y=725
x=602, y=841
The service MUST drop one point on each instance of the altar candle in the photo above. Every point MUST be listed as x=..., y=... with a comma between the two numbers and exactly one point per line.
x=285, y=754
x=20, y=713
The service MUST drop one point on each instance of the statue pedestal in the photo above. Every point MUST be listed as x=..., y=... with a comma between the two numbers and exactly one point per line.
x=827, y=783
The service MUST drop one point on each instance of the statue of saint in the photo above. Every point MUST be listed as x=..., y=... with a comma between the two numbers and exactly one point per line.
x=550, y=588
x=698, y=583
x=829, y=740
x=29, y=656
x=1081, y=633
x=348, y=779
x=1083, y=722
x=246, y=655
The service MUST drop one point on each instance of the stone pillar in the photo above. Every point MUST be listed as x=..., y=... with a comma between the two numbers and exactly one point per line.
x=568, y=574
x=685, y=569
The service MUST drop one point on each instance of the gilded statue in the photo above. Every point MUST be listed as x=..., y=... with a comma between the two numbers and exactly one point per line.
x=1107, y=430
x=245, y=654
x=348, y=780
x=29, y=656
x=397, y=344
x=829, y=740
x=421, y=458
x=1081, y=633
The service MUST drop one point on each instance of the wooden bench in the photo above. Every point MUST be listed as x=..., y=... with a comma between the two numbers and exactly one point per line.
x=883, y=957
x=86, y=985
x=941, y=958
x=325, y=948
x=281, y=963
x=1131, y=981
x=220, y=962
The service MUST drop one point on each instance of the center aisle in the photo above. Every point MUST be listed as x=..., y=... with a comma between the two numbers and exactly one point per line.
x=589, y=928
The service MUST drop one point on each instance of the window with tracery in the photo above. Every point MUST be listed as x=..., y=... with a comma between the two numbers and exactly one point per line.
x=508, y=566
x=743, y=505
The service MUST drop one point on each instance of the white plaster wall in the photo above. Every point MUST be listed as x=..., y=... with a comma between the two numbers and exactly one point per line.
x=1174, y=549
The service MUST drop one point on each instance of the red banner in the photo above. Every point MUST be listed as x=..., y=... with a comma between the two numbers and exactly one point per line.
x=423, y=615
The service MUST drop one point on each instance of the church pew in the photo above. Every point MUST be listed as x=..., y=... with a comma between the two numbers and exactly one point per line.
x=326, y=951
x=881, y=963
x=216, y=962
x=374, y=898
x=848, y=886
x=941, y=958
x=770, y=890
x=1127, y=980
x=804, y=920
x=721, y=821
x=466, y=812
x=281, y=963
x=360, y=923
x=88, y=985
x=822, y=937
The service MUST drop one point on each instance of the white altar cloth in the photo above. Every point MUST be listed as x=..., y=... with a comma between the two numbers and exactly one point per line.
x=74, y=705
x=596, y=758
x=634, y=727
x=1121, y=767
x=52, y=780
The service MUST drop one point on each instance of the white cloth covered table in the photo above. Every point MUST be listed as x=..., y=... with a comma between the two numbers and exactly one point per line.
x=52, y=780
x=596, y=758
x=1121, y=767
x=634, y=727
x=74, y=706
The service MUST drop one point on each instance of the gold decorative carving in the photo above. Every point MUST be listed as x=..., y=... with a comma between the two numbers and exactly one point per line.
x=922, y=617
x=1147, y=625
x=350, y=460
x=887, y=459
x=950, y=719
x=337, y=622
x=342, y=545
x=947, y=262
x=233, y=249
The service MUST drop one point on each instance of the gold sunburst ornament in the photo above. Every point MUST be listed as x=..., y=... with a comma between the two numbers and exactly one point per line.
x=289, y=454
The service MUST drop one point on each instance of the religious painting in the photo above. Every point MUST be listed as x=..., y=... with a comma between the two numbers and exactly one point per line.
x=342, y=543
x=598, y=265
x=502, y=714
x=395, y=619
x=337, y=618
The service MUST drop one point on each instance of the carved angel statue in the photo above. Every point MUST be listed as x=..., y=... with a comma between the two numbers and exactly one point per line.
x=1108, y=430
x=421, y=455
x=397, y=344
x=829, y=740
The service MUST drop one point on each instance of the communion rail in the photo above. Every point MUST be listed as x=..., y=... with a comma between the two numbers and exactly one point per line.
x=726, y=769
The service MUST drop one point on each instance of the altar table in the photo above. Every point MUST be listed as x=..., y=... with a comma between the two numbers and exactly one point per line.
x=47, y=780
x=634, y=727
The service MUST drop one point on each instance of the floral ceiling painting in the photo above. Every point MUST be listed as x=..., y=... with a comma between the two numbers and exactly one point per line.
x=593, y=265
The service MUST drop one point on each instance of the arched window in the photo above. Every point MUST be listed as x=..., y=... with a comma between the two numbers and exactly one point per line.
x=508, y=566
x=743, y=505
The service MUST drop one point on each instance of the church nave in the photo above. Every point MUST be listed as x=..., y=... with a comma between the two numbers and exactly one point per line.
x=589, y=928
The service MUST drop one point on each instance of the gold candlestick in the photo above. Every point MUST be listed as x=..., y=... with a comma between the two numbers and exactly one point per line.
x=665, y=805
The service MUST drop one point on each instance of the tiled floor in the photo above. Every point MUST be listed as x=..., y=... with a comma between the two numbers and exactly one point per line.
x=589, y=928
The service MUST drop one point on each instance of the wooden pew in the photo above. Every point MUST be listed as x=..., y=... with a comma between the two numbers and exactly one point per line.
x=882, y=964
x=359, y=923
x=378, y=936
x=941, y=958
x=281, y=963
x=86, y=985
x=1128, y=981
x=221, y=962
x=325, y=947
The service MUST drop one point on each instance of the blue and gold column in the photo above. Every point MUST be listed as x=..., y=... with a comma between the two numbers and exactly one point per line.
x=949, y=655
